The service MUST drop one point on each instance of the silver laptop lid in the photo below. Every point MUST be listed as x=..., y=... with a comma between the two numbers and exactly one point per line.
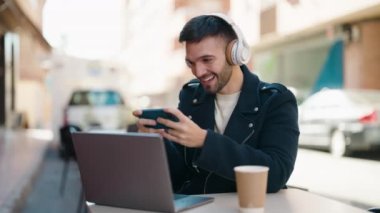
x=124, y=170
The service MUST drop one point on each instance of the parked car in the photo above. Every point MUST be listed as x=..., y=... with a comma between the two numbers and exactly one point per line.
x=96, y=109
x=340, y=120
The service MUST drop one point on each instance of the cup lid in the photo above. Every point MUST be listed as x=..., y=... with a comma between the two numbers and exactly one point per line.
x=251, y=168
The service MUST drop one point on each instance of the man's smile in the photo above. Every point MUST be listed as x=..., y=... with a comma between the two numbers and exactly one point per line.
x=207, y=78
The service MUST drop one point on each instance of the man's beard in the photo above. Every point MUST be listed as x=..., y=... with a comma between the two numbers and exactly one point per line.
x=222, y=79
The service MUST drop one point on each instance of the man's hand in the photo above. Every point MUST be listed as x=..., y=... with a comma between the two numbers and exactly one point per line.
x=184, y=132
x=142, y=123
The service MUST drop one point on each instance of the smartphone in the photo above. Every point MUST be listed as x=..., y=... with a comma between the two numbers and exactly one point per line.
x=153, y=114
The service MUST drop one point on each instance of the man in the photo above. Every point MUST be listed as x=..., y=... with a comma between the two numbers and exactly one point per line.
x=227, y=116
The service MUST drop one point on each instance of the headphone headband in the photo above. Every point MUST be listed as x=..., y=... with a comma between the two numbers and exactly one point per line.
x=238, y=52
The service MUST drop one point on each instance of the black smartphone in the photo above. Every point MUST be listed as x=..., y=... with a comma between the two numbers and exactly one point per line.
x=153, y=114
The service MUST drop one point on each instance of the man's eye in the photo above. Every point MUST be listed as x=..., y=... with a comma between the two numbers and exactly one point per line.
x=189, y=64
x=207, y=60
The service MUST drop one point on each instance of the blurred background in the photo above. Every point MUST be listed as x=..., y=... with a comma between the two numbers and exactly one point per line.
x=89, y=63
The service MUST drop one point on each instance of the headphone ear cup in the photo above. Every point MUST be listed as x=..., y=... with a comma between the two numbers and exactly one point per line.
x=242, y=53
x=237, y=51
x=231, y=52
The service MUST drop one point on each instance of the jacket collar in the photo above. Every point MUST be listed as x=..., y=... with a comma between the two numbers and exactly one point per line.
x=249, y=101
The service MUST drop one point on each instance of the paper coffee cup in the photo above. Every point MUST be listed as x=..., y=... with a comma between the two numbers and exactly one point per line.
x=251, y=182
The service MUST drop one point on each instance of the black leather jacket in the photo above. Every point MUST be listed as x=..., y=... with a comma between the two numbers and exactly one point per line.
x=262, y=130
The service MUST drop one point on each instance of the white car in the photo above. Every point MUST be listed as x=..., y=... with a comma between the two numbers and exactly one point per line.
x=340, y=120
x=96, y=109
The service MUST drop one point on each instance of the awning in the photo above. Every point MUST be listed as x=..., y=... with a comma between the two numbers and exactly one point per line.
x=331, y=74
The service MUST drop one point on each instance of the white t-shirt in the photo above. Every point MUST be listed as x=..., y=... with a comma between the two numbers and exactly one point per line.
x=224, y=105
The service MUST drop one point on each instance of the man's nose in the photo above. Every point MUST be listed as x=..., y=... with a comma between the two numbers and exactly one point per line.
x=198, y=70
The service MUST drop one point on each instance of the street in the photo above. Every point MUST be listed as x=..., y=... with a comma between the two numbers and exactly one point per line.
x=351, y=179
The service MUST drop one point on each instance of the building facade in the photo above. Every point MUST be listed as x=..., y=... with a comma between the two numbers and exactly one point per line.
x=24, y=100
x=298, y=42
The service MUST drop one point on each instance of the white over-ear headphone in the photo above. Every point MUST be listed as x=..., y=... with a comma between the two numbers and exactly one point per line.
x=238, y=51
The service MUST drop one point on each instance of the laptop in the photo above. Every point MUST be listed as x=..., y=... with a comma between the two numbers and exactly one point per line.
x=128, y=170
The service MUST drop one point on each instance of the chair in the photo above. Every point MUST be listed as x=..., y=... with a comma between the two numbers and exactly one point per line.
x=67, y=153
x=132, y=128
x=67, y=147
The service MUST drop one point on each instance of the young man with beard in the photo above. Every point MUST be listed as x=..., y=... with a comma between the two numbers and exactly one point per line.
x=226, y=116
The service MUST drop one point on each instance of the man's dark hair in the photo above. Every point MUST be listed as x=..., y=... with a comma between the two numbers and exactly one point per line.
x=204, y=26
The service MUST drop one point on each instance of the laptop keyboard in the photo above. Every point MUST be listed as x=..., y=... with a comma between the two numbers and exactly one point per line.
x=183, y=202
x=179, y=196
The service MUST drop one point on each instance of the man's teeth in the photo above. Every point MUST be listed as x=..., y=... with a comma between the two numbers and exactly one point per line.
x=208, y=78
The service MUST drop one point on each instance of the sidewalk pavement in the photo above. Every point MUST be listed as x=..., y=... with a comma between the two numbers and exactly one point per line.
x=21, y=153
x=46, y=195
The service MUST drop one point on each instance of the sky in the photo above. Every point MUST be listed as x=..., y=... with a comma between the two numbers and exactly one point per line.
x=84, y=28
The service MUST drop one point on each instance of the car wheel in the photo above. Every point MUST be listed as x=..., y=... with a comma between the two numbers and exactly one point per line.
x=338, y=146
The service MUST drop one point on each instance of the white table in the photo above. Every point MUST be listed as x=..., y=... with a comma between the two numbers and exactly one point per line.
x=288, y=200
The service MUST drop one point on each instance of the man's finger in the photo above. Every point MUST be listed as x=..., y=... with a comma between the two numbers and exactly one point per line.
x=174, y=133
x=176, y=112
x=169, y=123
x=147, y=122
x=151, y=130
x=170, y=137
x=137, y=113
